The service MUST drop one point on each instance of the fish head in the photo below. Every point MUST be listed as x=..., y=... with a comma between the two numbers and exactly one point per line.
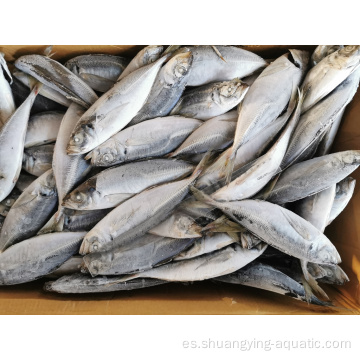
x=229, y=93
x=83, y=196
x=348, y=56
x=93, y=242
x=152, y=53
x=178, y=68
x=107, y=155
x=324, y=252
x=98, y=262
x=82, y=137
x=351, y=157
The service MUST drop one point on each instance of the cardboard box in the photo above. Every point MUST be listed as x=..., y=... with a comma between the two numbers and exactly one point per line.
x=204, y=297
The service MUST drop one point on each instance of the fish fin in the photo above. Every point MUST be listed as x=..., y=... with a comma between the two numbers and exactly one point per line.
x=89, y=155
x=266, y=192
x=218, y=53
x=139, y=141
x=125, y=278
x=311, y=281
x=202, y=165
x=55, y=224
x=100, y=83
x=234, y=236
x=202, y=197
x=116, y=199
x=170, y=49
x=223, y=224
x=48, y=51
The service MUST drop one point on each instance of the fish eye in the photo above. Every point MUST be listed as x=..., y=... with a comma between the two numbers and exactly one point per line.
x=180, y=71
x=107, y=158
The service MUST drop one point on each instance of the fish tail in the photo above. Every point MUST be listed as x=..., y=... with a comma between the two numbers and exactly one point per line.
x=311, y=284
x=89, y=156
x=48, y=51
x=202, y=197
x=55, y=224
x=223, y=224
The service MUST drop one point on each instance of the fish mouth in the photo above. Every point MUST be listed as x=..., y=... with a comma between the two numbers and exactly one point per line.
x=85, y=247
x=73, y=150
x=69, y=204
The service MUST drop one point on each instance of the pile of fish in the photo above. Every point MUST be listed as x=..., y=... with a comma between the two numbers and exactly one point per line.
x=183, y=164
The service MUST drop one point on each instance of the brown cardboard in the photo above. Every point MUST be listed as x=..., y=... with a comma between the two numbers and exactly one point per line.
x=204, y=297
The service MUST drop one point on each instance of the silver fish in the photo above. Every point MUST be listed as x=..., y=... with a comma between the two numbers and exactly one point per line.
x=313, y=124
x=262, y=170
x=7, y=104
x=316, y=208
x=82, y=284
x=143, y=254
x=43, y=128
x=266, y=277
x=137, y=215
x=24, y=181
x=30, y=211
x=323, y=51
x=37, y=257
x=334, y=274
x=82, y=220
x=178, y=226
x=268, y=96
x=205, y=245
x=58, y=77
x=214, y=134
x=207, y=266
x=113, y=186
x=12, y=138
x=150, y=138
x=38, y=159
x=211, y=100
x=278, y=227
x=45, y=91
x=344, y=192
x=209, y=67
x=114, y=110
x=69, y=171
x=99, y=71
x=167, y=89
x=144, y=57
x=312, y=176
x=329, y=73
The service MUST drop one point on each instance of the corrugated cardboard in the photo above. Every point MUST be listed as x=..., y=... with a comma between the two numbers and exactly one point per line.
x=204, y=297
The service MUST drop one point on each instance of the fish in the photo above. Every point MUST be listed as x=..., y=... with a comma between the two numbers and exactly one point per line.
x=262, y=170
x=69, y=267
x=278, y=227
x=56, y=76
x=99, y=71
x=43, y=128
x=7, y=203
x=114, y=110
x=24, y=181
x=211, y=100
x=145, y=56
x=316, y=208
x=208, y=67
x=343, y=194
x=143, y=254
x=249, y=240
x=12, y=138
x=113, y=186
x=334, y=274
x=313, y=124
x=330, y=72
x=83, y=283
x=151, y=138
x=138, y=214
x=312, y=176
x=178, y=226
x=38, y=159
x=49, y=94
x=204, y=245
x=41, y=103
x=7, y=103
x=263, y=276
x=30, y=211
x=82, y=220
x=214, y=134
x=167, y=89
x=207, y=266
x=37, y=256
x=69, y=171
x=266, y=99
x=322, y=51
